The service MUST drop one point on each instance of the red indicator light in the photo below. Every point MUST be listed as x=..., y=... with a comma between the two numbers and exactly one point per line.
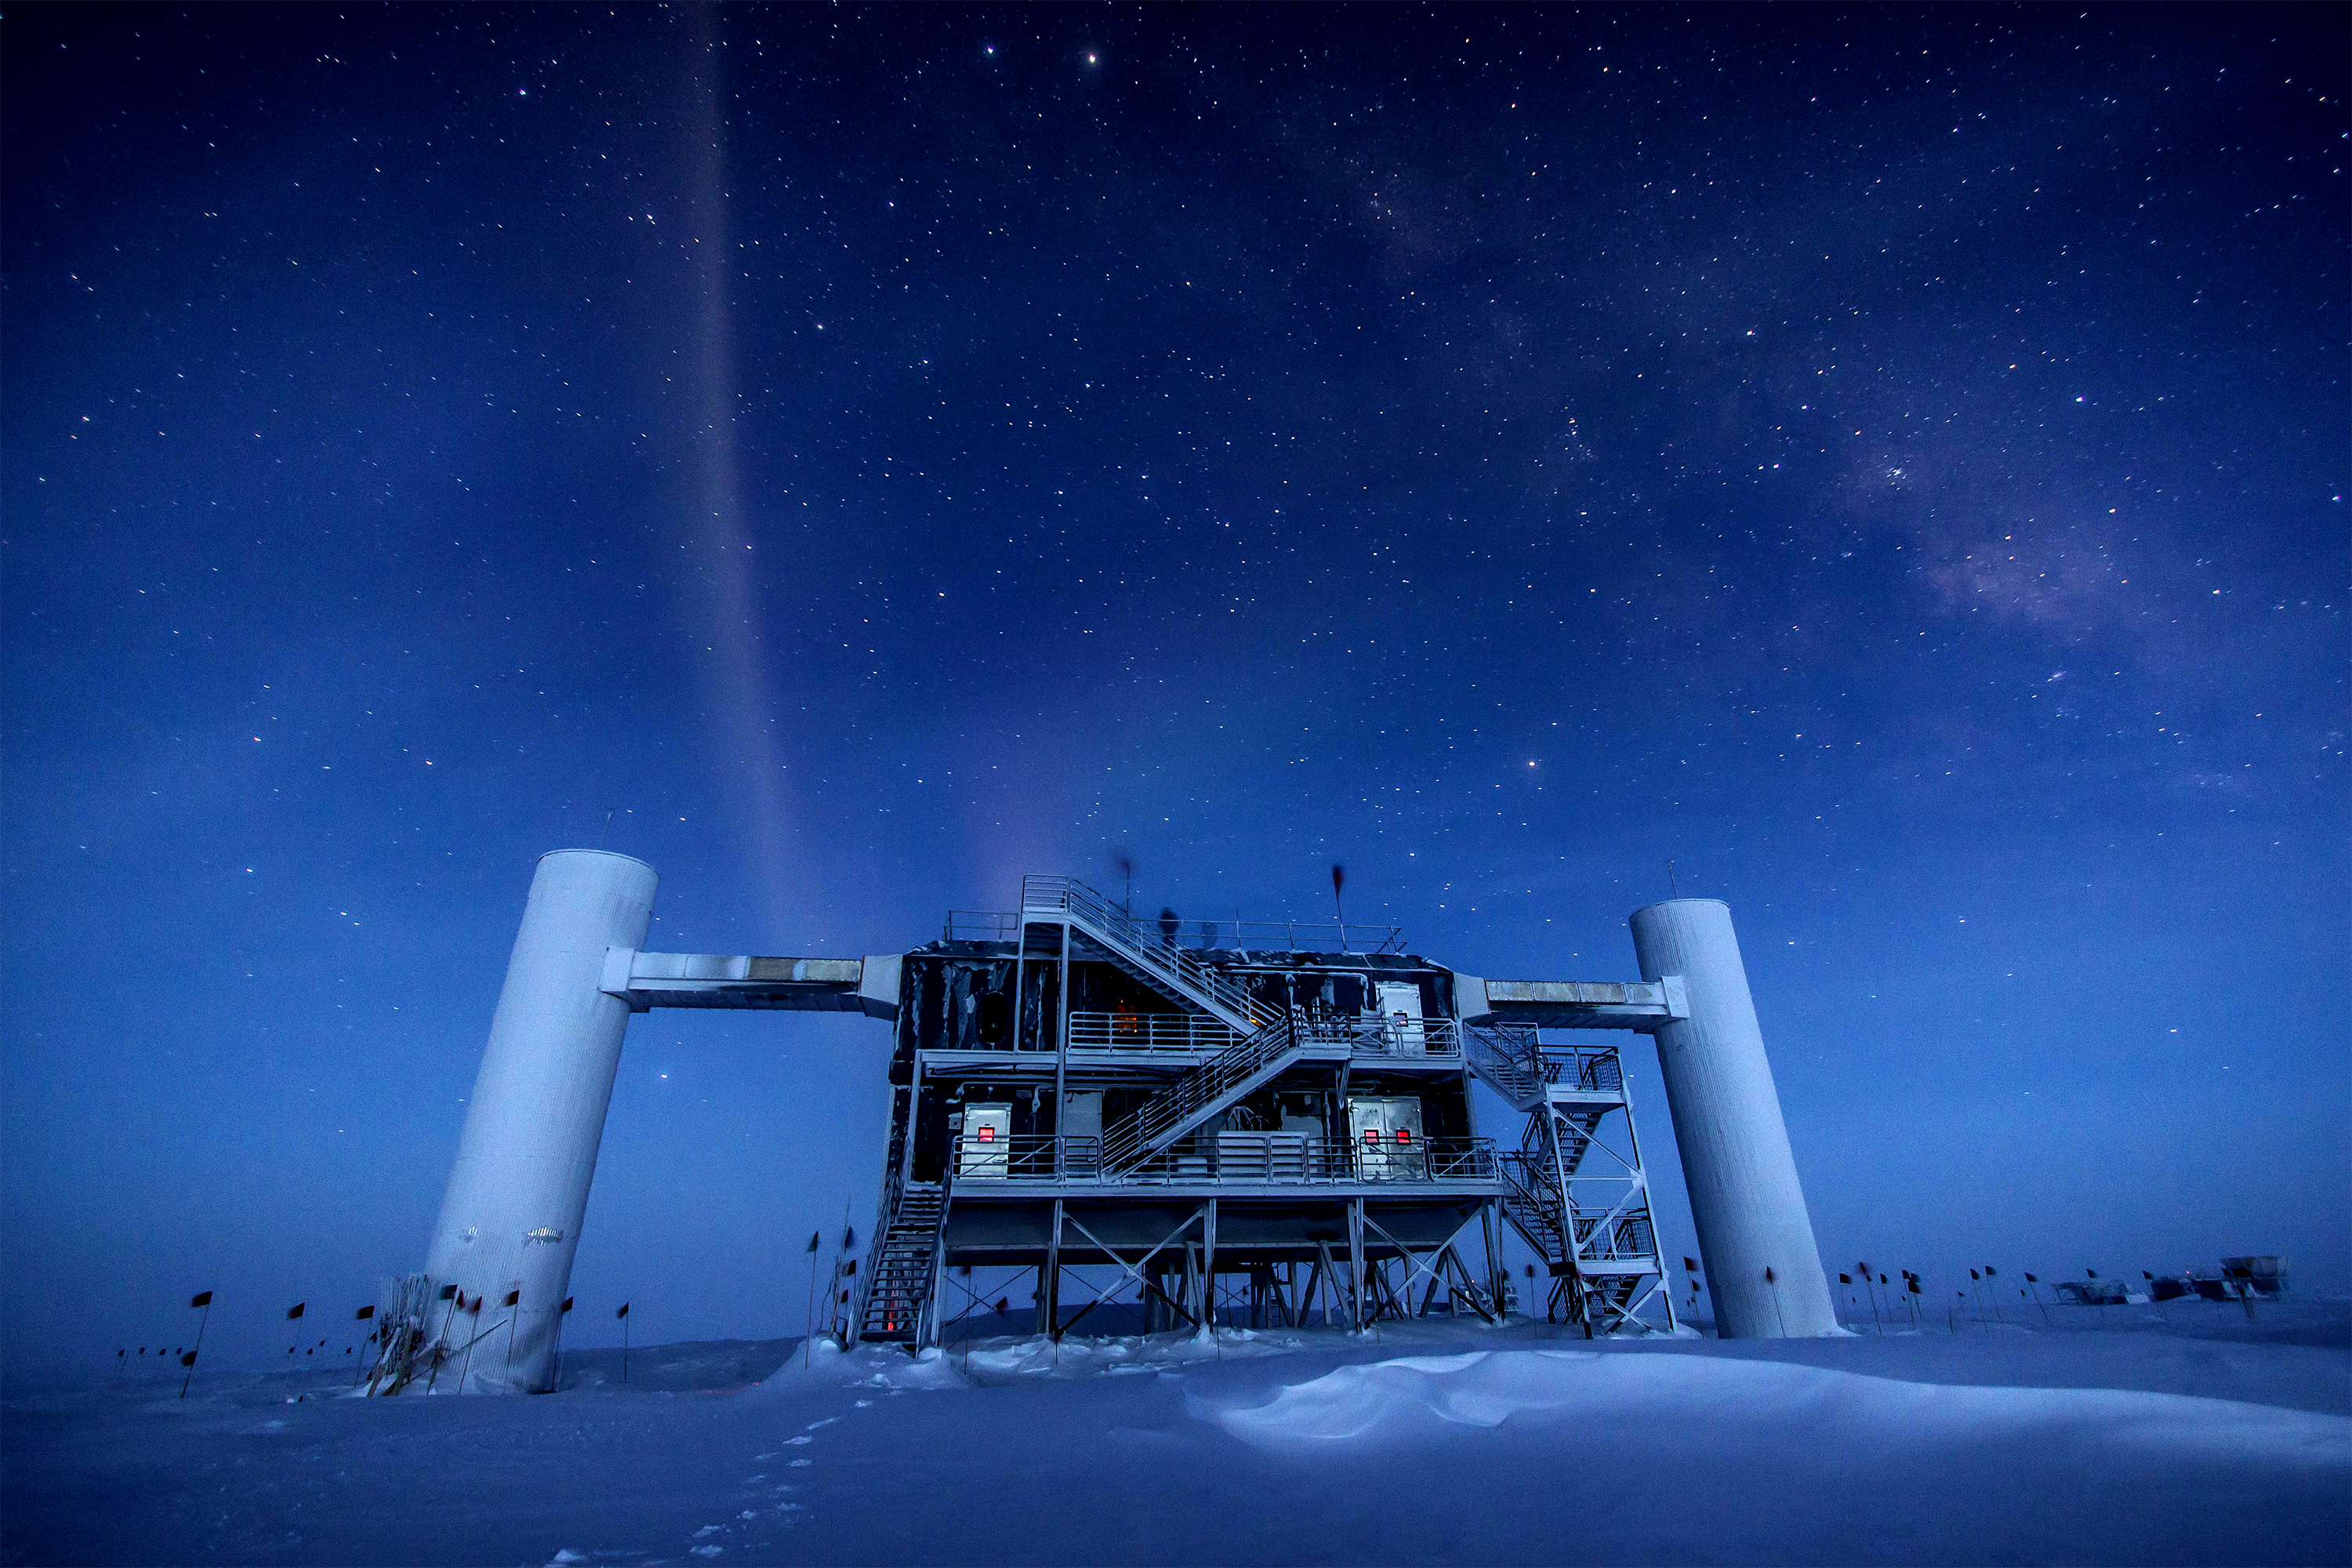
x=1404, y=1135
x=1371, y=1134
x=988, y=1135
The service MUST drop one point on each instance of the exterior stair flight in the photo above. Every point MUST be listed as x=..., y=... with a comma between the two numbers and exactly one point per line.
x=901, y=1269
x=1268, y=1044
x=1506, y=1060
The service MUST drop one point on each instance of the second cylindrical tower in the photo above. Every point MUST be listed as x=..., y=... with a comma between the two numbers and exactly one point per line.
x=1754, y=1235
x=511, y=1219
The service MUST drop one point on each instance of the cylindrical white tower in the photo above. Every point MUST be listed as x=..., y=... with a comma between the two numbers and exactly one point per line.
x=1754, y=1237
x=511, y=1219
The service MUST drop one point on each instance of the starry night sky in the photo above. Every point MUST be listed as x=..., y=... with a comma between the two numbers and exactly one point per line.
x=1889, y=463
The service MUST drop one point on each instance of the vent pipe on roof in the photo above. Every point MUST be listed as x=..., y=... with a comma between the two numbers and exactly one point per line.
x=1754, y=1237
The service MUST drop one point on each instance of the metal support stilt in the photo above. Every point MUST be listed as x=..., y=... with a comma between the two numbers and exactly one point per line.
x=1355, y=1265
x=1209, y=1268
x=1050, y=1286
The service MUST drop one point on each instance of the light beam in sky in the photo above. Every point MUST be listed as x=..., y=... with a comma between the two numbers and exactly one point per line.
x=723, y=588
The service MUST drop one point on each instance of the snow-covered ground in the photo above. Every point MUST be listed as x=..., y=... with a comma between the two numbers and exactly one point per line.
x=2198, y=1438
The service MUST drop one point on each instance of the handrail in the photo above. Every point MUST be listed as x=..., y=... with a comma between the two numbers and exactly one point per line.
x=1281, y=1158
x=981, y=925
x=1517, y=1062
x=1164, y=1114
x=1028, y=1157
x=1386, y=1036
x=1142, y=944
x=1506, y=1059
x=1277, y=1158
x=1131, y=1031
x=1622, y=1234
x=1267, y=1034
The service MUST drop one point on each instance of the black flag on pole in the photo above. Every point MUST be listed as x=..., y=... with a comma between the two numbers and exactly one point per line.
x=567, y=1304
x=513, y=1297
x=364, y=1314
x=200, y=1298
x=623, y=1312
x=814, y=1237
x=295, y=1311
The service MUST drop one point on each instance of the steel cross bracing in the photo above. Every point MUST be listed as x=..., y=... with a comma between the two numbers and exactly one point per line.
x=1582, y=1203
x=1269, y=1044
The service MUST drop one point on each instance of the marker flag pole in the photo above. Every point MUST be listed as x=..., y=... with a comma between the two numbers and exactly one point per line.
x=361, y=1316
x=449, y=1294
x=200, y=1298
x=513, y=1305
x=808, y=1318
x=624, y=1315
x=476, y=1312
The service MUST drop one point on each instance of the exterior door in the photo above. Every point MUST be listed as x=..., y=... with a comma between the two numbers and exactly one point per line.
x=1386, y=1132
x=985, y=1149
x=1401, y=1018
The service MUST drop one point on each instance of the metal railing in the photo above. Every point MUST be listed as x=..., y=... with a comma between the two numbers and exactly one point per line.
x=1192, y=1097
x=1204, y=936
x=1304, y=936
x=1517, y=1064
x=1535, y=1202
x=1384, y=1037
x=1140, y=942
x=1281, y=1158
x=1264, y=1158
x=1506, y=1058
x=1594, y=1067
x=982, y=925
x=1028, y=1157
x=1133, y=1031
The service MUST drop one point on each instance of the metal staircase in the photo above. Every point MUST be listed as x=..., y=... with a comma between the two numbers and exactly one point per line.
x=1232, y=1075
x=1533, y=1206
x=1603, y=1260
x=1508, y=1062
x=1136, y=947
x=902, y=1270
x=1270, y=1042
